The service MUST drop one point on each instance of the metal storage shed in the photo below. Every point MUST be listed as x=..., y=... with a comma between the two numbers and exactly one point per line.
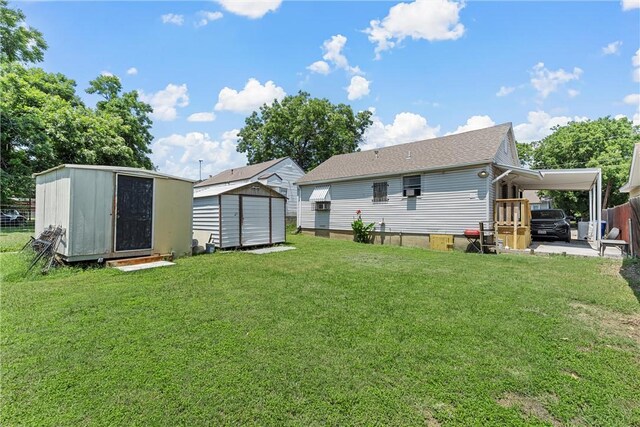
x=115, y=212
x=236, y=215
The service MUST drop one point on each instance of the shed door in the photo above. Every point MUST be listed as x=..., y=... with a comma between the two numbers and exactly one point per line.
x=134, y=213
x=255, y=220
x=277, y=220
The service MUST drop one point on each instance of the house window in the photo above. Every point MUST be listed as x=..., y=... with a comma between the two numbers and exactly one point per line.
x=380, y=192
x=411, y=185
x=322, y=206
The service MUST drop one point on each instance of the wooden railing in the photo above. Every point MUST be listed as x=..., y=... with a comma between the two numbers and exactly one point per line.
x=512, y=219
x=512, y=212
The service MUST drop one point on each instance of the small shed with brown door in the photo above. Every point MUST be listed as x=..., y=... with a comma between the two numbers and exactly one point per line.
x=239, y=215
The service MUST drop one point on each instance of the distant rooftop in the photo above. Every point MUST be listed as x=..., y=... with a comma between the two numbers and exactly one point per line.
x=239, y=174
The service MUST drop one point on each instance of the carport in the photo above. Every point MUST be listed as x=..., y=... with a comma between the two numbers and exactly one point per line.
x=585, y=179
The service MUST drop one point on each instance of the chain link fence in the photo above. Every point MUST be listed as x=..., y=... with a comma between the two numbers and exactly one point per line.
x=19, y=215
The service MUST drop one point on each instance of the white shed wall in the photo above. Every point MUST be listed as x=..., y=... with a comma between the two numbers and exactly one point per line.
x=206, y=220
x=53, y=201
x=451, y=201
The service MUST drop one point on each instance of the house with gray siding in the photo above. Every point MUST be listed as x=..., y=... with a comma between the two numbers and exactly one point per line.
x=411, y=191
x=279, y=174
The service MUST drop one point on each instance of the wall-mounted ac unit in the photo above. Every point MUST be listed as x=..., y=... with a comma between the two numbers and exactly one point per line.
x=323, y=206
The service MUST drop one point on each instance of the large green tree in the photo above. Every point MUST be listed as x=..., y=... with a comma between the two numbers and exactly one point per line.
x=135, y=127
x=604, y=143
x=44, y=122
x=309, y=130
x=18, y=41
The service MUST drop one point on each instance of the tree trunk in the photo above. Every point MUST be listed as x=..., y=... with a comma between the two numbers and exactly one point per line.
x=605, y=200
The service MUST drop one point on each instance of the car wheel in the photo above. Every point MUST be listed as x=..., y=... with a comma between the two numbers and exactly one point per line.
x=568, y=239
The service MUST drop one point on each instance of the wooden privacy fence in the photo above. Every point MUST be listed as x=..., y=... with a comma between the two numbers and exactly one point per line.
x=619, y=217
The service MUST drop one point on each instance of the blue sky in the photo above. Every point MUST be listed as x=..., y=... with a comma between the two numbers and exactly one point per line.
x=426, y=68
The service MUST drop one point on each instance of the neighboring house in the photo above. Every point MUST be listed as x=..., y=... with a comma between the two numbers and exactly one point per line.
x=633, y=186
x=279, y=174
x=437, y=186
x=536, y=202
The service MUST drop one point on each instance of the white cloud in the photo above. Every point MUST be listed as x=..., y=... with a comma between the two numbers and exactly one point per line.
x=172, y=18
x=573, y=93
x=505, y=90
x=546, y=81
x=206, y=17
x=406, y=127
x=106, y=74
x=630, y=4
x=539, y=125
x=635, y=61
x=132, y=71
x=319, y=67
x=431, y=20
x=249, y=99
x=358, y=88
x=250, y=9
x=474, y=123
x=165, y=101
x=332, y=49
x=201, y=117
x=612, y=48
x=179, y=154
x=634, y=99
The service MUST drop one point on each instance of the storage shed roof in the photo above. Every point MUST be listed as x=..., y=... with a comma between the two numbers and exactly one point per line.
x=116, y=169
x=222, y=189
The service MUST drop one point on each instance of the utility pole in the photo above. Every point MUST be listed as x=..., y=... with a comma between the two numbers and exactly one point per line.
x=200, y=169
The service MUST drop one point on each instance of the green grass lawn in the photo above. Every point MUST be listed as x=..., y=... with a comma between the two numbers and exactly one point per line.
x=13, y=239
x=333, y=333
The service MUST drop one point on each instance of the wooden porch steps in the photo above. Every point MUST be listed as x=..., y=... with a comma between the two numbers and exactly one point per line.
x=139, y=260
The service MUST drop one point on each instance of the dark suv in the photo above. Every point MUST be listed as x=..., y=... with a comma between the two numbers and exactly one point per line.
x=550, y=223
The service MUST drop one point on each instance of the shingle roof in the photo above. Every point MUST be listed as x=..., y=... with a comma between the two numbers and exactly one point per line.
x=239, y=174
x=471, y=147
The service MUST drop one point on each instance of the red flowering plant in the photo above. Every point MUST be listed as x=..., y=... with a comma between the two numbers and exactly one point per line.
x=362, y=233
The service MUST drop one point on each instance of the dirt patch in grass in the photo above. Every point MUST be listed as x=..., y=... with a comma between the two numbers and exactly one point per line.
x=630, y=271
x=530, y=406
x=609, y=322
x=430, y=420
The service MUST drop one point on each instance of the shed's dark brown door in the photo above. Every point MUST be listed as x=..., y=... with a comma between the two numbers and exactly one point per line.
x=134, y=213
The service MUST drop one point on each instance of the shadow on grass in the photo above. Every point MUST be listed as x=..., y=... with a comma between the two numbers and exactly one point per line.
x=630, y=270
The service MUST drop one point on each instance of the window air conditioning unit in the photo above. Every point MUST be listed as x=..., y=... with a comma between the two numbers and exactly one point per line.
x=410, y=192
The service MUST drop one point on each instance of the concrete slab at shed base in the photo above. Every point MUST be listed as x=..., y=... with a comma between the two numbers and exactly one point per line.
x=271, y=250
x=136, y=267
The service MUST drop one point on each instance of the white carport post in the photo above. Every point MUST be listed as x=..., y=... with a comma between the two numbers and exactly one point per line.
x=592, y=203
x=599, y=208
